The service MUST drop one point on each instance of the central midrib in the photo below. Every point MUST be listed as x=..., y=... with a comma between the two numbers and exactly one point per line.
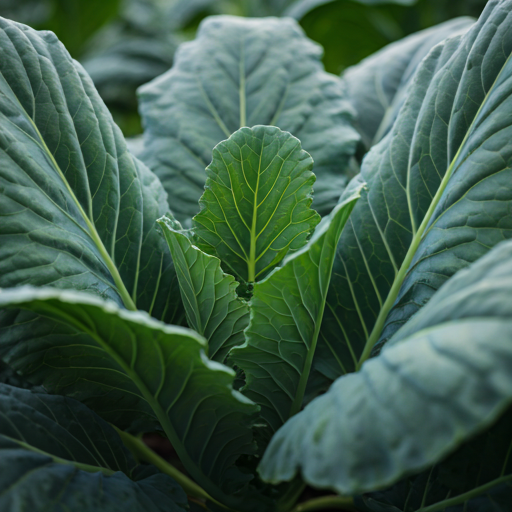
x=418, y=237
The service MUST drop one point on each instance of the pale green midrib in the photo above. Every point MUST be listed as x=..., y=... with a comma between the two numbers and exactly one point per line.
x=162, y=417
x=462, y=498
x=418, y=237
x=251, y=264
x=79, y=465
x=123, y=292
x=243, y=113
x=303, y=381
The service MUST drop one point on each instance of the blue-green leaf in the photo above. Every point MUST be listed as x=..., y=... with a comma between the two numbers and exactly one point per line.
x=286, y=314
x=244, y=72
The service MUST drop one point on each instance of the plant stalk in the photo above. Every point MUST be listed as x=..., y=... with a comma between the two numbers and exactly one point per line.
x=462, y=498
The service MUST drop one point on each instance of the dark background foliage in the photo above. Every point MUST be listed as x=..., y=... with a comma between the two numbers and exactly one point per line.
x=125, y=43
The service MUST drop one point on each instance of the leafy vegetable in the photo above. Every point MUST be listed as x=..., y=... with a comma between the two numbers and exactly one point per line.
x=212, y=306
x=256, y=204
x=450, y=366
x=237, y=73
x=77, y=210
x=378, y=86
x=135, y=372
x=286, y=313
x=438, y=191
x=55, y=453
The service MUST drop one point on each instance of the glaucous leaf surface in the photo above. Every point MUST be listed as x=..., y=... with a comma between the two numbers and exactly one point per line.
x=78, y=211
x=136, y=373
x=483, y=461
x=56, y=454
x=378, y=86
x=286, y=313
x=256, y=203
x=439, y=190
x=209, y=295
x=244, y=72
x=442, y=379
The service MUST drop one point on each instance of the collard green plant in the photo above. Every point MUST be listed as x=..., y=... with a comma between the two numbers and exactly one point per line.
x=368, y=352
x=244, y=72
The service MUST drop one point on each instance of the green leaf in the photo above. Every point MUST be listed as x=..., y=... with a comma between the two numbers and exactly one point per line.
x=211, y=303
x=78, y=211
x=256, y=203
x=56, y=454
x=244, y=72
x=480, y=462
x=442, y=379
x=439, y=191
x=286, y=314
x=135, y=372
x=378, y=86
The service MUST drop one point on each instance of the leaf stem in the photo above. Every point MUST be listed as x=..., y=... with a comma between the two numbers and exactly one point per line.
x=327, y=502
x=458, y=500
x=143, y=453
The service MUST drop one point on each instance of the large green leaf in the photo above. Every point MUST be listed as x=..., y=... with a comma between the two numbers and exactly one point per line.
x=378, y=86
x=211, y=303
x=443, y=378
x=135, y=372
x=78, y=211
x=56, y=454
x=256, y=203
x=244, y=72
x=480, y=462
x=439, y=190
x=286, y=314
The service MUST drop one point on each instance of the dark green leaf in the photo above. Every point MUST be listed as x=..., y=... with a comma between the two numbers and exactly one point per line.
x=286, y=313
x=244, y=72
x=56, y=454
x=211, y=303
x=78, y=211
x=256, y=204
x=442, y=379
x=378, y=86
x=439, y=190
x=135, y=372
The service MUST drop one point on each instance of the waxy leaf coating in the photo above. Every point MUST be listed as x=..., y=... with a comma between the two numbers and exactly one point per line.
x=445, y=379
x=135, y=372
x=56, y=454
x=78, y=211
x=286, y=314
x=244, y=72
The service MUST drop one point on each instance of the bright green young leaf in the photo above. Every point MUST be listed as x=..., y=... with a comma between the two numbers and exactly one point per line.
x=256, y=203
x=78, y=211
x=209, y=296
x=439, y=191
x=56, y=454
x=135, y=372
x=244, y=72
x=443, y=378
x=286, y=314
x=378, y=86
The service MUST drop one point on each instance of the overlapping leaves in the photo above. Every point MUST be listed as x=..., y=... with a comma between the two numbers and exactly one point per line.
x=244, y=72
x=56, y=453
